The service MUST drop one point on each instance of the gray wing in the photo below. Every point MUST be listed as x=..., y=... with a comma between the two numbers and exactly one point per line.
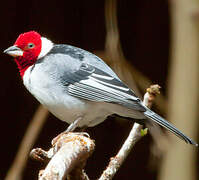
x=93, y=84
x=82, y=56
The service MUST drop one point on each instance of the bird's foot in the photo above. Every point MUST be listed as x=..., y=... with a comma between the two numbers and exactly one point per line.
x=54, y=141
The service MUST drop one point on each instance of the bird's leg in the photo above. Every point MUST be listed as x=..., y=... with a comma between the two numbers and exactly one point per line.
x=80, y=130
x=73, y=125
x=70, y=128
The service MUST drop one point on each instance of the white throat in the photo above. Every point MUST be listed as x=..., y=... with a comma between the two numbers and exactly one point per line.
x=46, y=46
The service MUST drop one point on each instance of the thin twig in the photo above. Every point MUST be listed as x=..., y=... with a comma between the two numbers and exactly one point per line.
x=15, y=171
x=133, y=137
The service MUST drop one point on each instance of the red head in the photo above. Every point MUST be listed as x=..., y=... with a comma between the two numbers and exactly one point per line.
x=26, y=50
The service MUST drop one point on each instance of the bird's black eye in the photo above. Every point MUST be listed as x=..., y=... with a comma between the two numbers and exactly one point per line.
x=31, y=45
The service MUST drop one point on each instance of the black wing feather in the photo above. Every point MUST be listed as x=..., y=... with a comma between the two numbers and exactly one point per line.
x=103, y=88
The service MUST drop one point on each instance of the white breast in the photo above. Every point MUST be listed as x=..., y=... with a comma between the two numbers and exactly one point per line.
x=48, y=93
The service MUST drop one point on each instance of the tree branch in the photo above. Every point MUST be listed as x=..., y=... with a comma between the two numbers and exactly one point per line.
x=39, y=118
x=69, y=155
x=134, y=136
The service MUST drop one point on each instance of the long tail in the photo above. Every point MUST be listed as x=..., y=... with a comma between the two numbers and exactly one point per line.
x=162, y=122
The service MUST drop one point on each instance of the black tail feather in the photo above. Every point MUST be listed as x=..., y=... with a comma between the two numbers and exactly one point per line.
x=162, y=122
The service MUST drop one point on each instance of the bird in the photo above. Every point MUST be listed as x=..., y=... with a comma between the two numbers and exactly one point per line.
x=77, y=86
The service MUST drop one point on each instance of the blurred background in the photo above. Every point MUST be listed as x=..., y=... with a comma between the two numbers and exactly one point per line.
x=149, y=41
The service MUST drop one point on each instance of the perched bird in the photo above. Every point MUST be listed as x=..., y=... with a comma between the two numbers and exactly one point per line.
x=76, y=85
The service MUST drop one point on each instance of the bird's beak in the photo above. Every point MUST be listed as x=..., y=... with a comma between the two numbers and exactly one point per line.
x=14, y=51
